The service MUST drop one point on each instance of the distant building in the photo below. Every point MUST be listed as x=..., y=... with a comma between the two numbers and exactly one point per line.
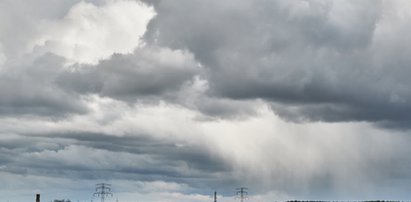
x=62, y=200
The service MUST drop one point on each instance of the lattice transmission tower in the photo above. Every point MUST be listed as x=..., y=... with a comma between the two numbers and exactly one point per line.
x=103, y=190
x=242, y=193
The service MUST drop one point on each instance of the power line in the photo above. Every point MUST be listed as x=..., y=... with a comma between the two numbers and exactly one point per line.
x=103, y=190
x=242, y=193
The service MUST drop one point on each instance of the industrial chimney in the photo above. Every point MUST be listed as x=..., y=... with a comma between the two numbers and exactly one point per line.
x=37, y=197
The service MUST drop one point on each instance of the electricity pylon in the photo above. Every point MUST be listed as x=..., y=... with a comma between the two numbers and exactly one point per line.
x=242, y=193
x=103, y=190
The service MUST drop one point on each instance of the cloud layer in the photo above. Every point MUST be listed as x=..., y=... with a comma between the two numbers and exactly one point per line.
x=170, y=101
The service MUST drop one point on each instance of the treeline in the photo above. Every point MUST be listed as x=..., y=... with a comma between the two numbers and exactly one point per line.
x=347, y=201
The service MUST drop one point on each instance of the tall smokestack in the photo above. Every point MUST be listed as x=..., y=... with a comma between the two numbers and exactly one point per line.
x=37, y=197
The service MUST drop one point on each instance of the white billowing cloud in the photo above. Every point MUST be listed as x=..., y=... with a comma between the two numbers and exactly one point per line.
x=89, y=33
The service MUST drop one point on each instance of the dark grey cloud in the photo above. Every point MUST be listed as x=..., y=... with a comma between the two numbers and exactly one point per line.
x=79, y=155
x=310, y=58
x=149, y=71
x=30, y=89
x=45, y=86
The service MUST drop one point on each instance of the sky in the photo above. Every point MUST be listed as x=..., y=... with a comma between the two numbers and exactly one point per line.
x=171, y=100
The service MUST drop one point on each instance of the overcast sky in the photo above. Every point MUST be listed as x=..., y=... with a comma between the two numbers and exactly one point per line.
x=171, y=100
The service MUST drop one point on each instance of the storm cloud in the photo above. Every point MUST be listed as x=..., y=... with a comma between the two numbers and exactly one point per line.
x=178, y=99
x=312, y=58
